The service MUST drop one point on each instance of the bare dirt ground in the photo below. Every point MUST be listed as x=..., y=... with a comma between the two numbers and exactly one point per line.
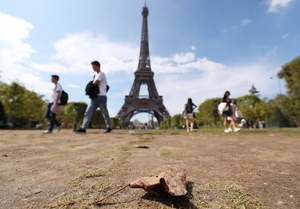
x=249, y=169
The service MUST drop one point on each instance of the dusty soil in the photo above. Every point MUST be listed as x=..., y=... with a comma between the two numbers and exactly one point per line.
x=249, y=169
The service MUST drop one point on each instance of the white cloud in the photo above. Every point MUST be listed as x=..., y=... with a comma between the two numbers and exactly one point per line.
x=78, y=50
x=213, y=81
x=35, y=83
x=74, y=86
x=52, y=67
x=183, y=57
x=246, y=21
x=274, y=5
x=193, y=48
x=224, y=30
x=13, y=32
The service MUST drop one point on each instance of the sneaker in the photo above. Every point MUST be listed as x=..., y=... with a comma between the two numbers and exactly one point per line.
x=226, y=131
x=59, y=127
x=80, y=131
x=229, y=129
x=47, y=132
x=237, y=129
x=109, y=129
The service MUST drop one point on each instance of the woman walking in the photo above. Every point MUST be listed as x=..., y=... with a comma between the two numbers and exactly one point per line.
x=189, y=107
x=236, y=113
x=227, y=112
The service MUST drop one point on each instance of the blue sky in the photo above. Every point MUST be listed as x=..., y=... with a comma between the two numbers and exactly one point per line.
x=198, y=48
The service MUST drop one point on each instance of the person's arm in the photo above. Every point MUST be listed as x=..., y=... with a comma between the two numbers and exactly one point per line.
x=97, y=79
x=96, y=82
x=57, y=97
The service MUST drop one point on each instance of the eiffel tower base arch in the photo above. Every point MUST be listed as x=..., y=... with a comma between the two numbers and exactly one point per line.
x=152, y=106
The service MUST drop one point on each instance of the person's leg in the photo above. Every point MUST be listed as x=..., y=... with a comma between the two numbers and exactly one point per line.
x=232, y=123
x=225, y=122
x=53, y=121
x=192, y=124
x=187, y=123
x=48, y=111
x=89, y=113
x=102, y=100
x=235, y=129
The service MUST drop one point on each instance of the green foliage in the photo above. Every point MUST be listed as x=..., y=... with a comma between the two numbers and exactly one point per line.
x=2, y=114
x=253, y=90
x=21, y=103
x=251, y=106
x=247, y=105
x=277, y=118
x=165, y=124
x=74, y=111
x=97, y=120
x=208, y=112
x=115, y=122
x=177, y=120
x=290, y=72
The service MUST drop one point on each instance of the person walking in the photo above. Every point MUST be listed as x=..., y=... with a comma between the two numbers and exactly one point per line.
x=189, y=108
x=236, y=113
x=54, y=100
x=227, y=112
x=98, y=101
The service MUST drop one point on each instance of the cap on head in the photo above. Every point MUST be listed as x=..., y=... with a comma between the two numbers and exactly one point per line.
x=55, y=76
x=95, y=63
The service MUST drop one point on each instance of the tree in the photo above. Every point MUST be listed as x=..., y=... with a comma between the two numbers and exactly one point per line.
x=208, y=112
x=290, y=72
x=263, y=110
x=253, y=90
x=2, y=114
x=246, y=105
x=97, y=120
x=177, y=120
x=115, y=122
x=21, y=103
x=74, y=111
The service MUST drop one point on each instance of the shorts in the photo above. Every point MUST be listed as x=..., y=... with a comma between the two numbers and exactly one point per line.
x=189, y=116
x=227, y=113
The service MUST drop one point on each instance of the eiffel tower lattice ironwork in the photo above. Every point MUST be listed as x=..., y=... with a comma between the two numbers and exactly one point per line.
x=134, y=102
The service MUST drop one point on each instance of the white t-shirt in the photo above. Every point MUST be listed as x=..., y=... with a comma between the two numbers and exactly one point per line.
x=102, y=84
x=56, y=88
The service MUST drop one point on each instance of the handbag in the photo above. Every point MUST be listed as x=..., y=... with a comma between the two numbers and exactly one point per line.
x=222, y=107
x=238, y=113
x=183, y=112
x=57, y=110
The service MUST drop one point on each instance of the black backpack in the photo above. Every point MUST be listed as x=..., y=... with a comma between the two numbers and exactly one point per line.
x=64, y=98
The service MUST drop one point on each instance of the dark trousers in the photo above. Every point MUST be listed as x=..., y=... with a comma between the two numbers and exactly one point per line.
x=52, y=117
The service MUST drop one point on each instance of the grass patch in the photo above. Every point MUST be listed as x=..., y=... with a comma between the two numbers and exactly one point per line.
x=169, y=152
x=123, y=148
x=91, y=173
x=76, y=145
x=67, y=201
x=216, y=195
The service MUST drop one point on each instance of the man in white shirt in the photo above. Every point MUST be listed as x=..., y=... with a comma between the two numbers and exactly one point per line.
x=54, y=100
x=99, y=101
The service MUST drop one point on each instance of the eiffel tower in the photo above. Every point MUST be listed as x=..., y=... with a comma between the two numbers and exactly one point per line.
x=134, y=102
